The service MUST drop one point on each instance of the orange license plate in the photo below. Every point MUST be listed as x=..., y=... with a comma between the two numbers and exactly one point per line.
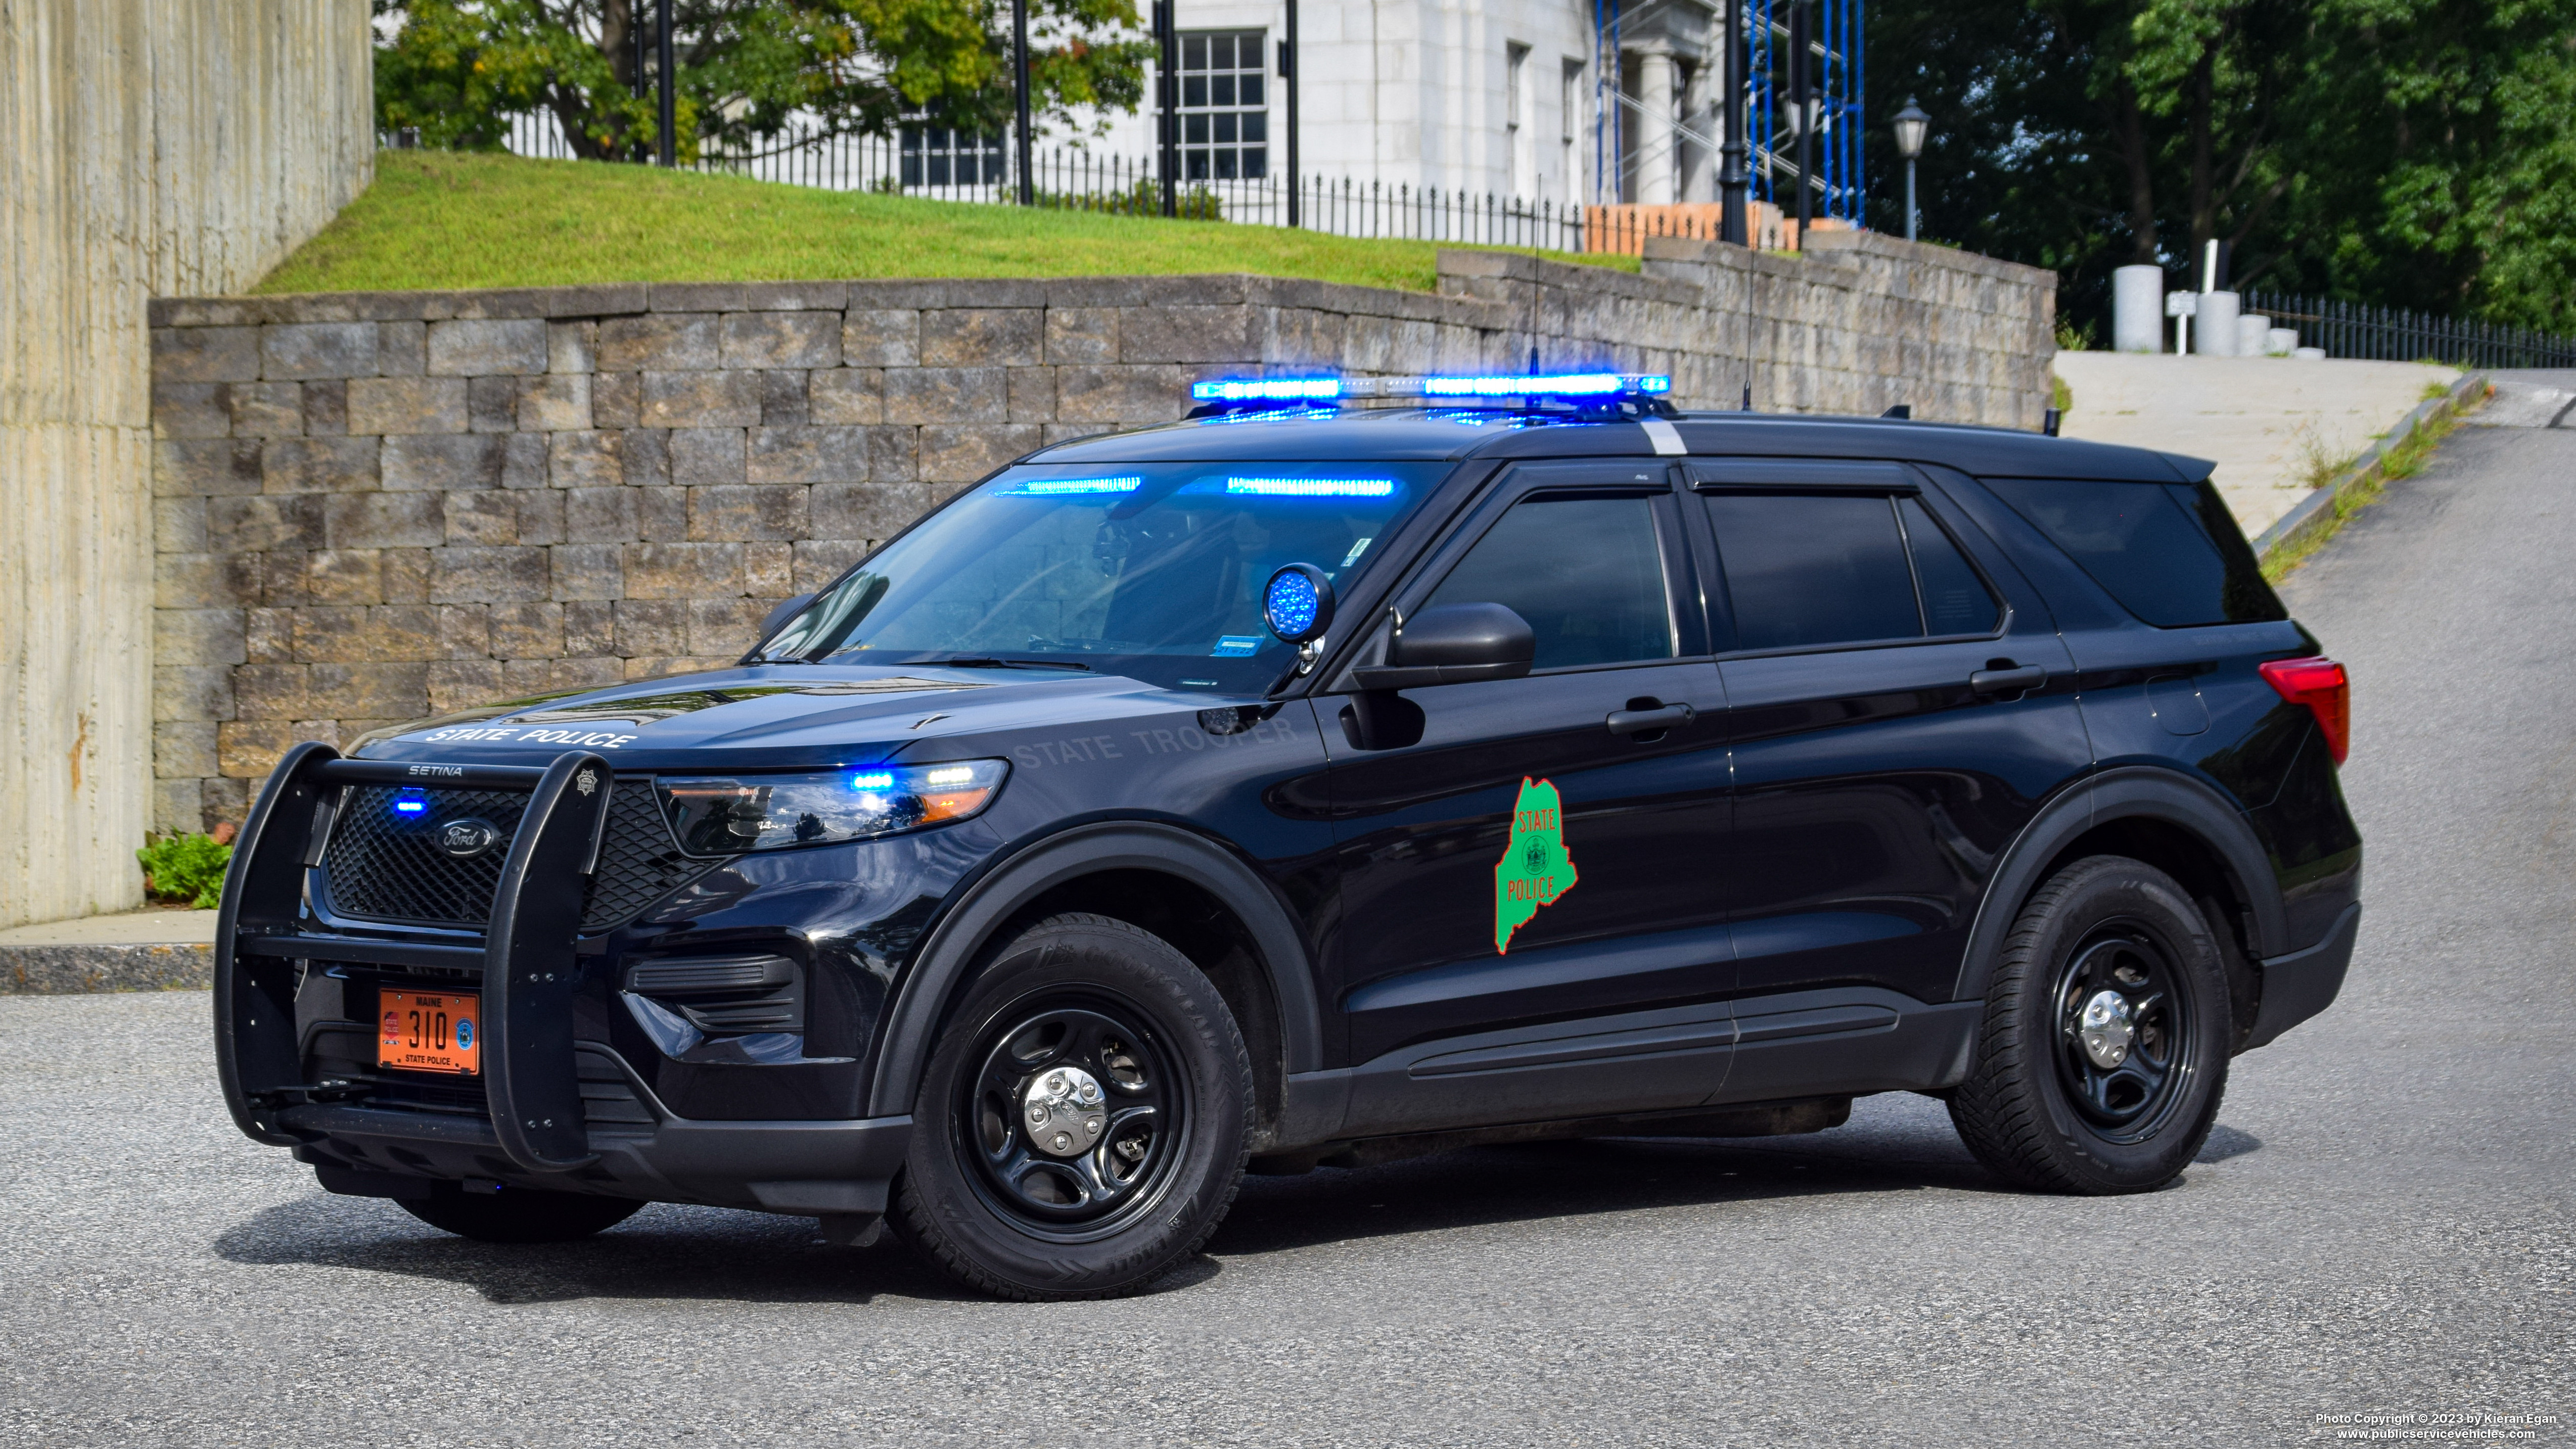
x=422, y=1031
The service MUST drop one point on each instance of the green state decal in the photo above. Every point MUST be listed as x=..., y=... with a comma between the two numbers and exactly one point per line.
x=1535, y=868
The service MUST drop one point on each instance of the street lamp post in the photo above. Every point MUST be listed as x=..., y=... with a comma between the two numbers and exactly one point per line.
x=1020, y=98
x=1734, y=181
x=1911, y=123
x=670, y=108
x=1802, y=113
x=1288, y=73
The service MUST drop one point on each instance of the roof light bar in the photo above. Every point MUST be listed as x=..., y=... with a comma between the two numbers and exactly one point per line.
x=1570, y=384
x=1461, y=385
x=1267, y=389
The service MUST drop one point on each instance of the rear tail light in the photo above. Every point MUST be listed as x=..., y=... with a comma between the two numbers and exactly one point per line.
x=2319, y=684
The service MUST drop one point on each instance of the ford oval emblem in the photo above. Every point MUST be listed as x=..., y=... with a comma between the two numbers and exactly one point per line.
x=468, y=838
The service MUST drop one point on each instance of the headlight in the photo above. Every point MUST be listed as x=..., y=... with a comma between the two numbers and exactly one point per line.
x=724, y=815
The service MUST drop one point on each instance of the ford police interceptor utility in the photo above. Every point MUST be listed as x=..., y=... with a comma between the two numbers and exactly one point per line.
x=1309, y=783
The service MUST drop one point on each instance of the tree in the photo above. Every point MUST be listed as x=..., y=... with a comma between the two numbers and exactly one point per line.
x=2397, y=152
x=458, y=69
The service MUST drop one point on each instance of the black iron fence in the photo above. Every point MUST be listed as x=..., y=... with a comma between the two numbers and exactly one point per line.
x=2350, y=329
x=949, y=165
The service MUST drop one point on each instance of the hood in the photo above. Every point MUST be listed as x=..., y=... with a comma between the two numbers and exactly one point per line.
x=776, y=717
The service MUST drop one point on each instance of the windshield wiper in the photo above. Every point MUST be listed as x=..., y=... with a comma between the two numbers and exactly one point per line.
x=986, y=661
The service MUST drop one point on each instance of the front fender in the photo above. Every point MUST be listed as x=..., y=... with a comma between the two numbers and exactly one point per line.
x=939, y=971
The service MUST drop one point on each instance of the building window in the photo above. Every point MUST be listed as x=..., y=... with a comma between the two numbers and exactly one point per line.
x=1225, y=123
x=939, y=156
x=1569, y=120
x=1516, y=130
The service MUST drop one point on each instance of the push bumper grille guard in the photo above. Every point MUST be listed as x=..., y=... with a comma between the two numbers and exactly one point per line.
x=529, y=1077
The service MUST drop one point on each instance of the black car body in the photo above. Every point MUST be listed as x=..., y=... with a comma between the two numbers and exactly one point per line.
x=1817, y=705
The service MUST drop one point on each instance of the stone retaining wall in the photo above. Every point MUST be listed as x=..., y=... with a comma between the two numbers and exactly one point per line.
x=372, y=507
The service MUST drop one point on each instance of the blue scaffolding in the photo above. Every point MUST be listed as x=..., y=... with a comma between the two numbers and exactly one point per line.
x=1835, y=48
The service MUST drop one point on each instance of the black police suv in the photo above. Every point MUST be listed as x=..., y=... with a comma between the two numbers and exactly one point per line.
x=1307, y=783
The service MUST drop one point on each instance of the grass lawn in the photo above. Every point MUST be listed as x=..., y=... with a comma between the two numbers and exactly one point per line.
x=447, y=219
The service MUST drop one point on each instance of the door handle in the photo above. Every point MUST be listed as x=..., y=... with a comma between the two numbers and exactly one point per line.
x=1648, y=721
x=2008, y=680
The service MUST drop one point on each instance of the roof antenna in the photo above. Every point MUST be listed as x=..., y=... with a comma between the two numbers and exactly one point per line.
x=1748, y=327
x=1534, y=301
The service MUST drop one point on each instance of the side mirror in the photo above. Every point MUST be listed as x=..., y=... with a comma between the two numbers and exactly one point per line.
x=1453, y=644
x=785, y=610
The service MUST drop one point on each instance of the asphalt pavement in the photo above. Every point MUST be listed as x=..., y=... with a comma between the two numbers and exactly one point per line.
x=2381, y=1226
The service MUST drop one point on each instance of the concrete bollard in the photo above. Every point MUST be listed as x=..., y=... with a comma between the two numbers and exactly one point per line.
x=2253, y=335
x=2216, y=325
x=2281, y=342
x=2137, y=309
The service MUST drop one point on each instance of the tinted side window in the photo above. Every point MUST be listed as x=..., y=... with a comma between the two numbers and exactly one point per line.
x=1955, y=600
x=1814, y=568
x=2155, y=547
x=1585, y=572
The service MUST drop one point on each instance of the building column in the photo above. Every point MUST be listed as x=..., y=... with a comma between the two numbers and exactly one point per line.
x=1653, y=118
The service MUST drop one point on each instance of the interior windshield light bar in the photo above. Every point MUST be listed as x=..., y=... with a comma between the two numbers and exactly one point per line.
x=1043, y=487
x=1312, y=487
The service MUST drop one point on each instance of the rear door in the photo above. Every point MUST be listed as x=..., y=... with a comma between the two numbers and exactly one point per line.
x=1546, y=851
x=1899, y=708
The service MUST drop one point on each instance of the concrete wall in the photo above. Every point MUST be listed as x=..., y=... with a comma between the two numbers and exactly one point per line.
x=375, y=506
x=147, y=147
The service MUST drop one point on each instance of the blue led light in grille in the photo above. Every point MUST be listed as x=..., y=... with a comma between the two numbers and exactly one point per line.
x=410, y=805
x=873, y=780
x=1312, y=487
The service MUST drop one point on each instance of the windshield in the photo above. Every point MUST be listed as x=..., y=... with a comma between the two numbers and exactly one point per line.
x=1153, y=570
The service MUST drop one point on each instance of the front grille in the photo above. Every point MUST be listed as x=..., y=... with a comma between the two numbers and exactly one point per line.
x=386, y=866
x=639, y=862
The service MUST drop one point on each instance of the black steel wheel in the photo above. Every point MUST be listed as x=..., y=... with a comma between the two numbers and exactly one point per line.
x=1081, y=1127
x=2103, y=1054
x=2124, y=1026
x=1074, y=1121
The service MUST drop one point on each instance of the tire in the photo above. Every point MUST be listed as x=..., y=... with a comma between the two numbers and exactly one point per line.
x=2046, y=1108
x=518, y=1215
x=1144, y=1096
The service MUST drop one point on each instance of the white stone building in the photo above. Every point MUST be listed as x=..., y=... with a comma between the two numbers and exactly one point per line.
x=1509, y=97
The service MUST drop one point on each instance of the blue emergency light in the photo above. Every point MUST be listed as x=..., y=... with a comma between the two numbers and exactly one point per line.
x=1570, y=384
x=1235, y=393
x=1051, y=487
x=1267, y=389
x=1312, y=487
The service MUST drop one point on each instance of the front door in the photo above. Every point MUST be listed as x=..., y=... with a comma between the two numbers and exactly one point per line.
x=1544, y=852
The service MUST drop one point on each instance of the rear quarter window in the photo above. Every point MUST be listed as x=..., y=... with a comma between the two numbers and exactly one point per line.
x=2171, y=553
